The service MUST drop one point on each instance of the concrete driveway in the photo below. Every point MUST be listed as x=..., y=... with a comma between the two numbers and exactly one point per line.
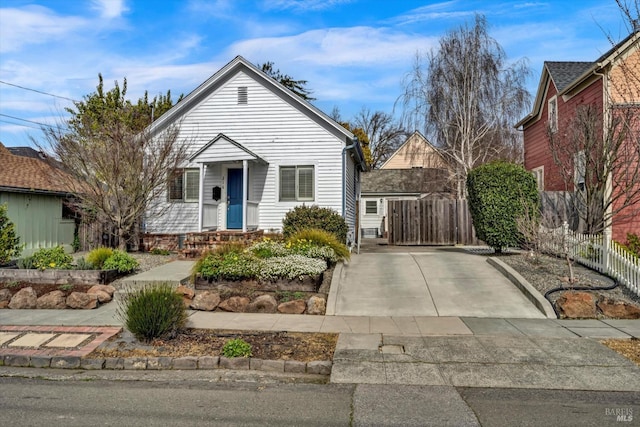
x=425, y=281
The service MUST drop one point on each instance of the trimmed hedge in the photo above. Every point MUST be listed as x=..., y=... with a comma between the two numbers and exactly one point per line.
x=499, y=193
x=304, y=217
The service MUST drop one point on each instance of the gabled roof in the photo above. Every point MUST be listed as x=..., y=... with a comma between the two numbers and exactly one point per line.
x=405, y=181
x=225, y=149
x=403, y=149
x=566, y=76
x=564, y=73
x=226, y=73
x=26, y=174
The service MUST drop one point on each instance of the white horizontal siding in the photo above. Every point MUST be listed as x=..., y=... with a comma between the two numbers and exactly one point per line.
x=274, y=130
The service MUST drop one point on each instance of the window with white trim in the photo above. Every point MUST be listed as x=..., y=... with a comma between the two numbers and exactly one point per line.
x=538, y=174
x=297, y=183
x=580, y=170
x=371, y=207
x=184, y=185
x=553, y=113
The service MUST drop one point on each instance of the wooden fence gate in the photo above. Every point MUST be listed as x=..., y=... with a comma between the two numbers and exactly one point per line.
x=430, y=222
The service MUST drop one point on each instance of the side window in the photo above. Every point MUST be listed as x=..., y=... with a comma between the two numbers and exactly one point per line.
x=538, y=174
x=371, y=207
x=297, y=183
x=184, y=185
x=553, y=114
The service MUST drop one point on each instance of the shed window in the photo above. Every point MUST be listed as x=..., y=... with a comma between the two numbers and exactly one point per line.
x=243, y=95
x=296, y=183
x=371, y=207
x=538, y=174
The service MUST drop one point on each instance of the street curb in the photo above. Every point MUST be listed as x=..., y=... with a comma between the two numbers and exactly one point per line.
x=169, y=363
x=525, y=287
x=333, y=291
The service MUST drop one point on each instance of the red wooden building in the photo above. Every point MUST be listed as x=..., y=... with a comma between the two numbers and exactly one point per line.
x=609, y=87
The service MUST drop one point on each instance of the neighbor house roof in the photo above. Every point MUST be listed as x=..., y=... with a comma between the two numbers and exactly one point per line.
x=405, y=181
x=568, y=75
x=26, y=174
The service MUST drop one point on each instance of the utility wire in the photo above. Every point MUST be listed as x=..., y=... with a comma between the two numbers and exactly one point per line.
x=38, y=91
x=29, y=121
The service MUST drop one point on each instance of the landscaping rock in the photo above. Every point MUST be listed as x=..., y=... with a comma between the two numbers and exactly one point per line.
x=186, y=292
x=102, y=288
x=52, y=300
x=80, y=300
x=292, y=307
x=24, y=298
x=235, y=304
x=102, y=296
x=5, y=298
x=206, y=301
x=263, y=304
x=576, y=305
x=618, y=309
x=316, y=305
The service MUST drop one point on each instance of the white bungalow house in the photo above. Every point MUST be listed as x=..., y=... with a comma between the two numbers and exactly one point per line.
x=257, y=150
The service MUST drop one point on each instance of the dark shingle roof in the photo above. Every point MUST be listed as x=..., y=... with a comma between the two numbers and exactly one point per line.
x=565, y=73
x=406, y=181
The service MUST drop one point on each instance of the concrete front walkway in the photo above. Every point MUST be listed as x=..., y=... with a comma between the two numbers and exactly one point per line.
x=430, y=282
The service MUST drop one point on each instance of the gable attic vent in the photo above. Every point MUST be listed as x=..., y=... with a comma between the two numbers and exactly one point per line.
x=243, y=96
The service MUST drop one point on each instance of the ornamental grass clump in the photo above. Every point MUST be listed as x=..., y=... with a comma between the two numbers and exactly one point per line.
x=153, y=311
x=317, y=243
x=98, y=256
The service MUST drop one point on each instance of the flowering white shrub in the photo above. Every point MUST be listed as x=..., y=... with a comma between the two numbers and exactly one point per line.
x=290, y=267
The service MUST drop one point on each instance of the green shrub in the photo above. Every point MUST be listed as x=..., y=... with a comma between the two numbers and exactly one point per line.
x=231, y=261
x=499, y=193
x=290, y=267
x=52, y=258
x=9, y=242
x=154, y=311
x=121, y=261
x=98, y=256
x=313, y=242
x=633, y=244
x=158, y=251
x=302, y=217
x=267, y=248
x=236, y=347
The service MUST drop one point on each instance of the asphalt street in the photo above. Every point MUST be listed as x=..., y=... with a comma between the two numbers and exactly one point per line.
x=31, y=397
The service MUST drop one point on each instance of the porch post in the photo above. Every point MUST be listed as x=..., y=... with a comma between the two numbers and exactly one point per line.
x=200, y=197
x=245, y=191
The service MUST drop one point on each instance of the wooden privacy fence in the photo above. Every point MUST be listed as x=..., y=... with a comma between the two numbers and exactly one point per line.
x=430, y=222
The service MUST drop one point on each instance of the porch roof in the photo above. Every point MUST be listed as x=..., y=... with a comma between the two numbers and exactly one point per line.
x=224, y=149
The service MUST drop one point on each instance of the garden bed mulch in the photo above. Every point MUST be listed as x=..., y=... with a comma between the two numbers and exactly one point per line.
x=547, y=272
x=298, y=346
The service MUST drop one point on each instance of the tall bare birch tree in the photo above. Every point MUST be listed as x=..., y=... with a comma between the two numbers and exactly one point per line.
x=117, y=170
x=466, y=97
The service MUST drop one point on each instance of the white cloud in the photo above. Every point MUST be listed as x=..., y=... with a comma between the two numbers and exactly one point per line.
x=110, y=9
x=335, y=47
x=304, y=5
x=33, y=25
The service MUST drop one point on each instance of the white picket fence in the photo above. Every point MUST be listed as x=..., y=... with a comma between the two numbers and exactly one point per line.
x=599, y=253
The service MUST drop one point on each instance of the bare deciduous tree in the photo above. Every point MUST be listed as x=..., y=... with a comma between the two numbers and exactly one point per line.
x=466, y=97
x=116, y=170
x=384, y=133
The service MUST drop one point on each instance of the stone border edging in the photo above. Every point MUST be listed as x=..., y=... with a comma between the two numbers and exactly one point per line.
x=168, y=363
x=330, y=309
x=525, y=287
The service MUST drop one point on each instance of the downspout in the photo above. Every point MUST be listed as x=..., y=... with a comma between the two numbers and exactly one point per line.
x=344, y=175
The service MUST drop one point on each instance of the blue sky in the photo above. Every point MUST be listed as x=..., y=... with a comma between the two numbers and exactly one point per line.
x=354, y=53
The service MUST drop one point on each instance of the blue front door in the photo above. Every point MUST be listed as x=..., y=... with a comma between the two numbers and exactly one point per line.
x=234, y=199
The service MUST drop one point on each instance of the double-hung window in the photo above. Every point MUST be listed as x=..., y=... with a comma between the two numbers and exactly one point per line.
x=297, y=183
x=184, y=185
